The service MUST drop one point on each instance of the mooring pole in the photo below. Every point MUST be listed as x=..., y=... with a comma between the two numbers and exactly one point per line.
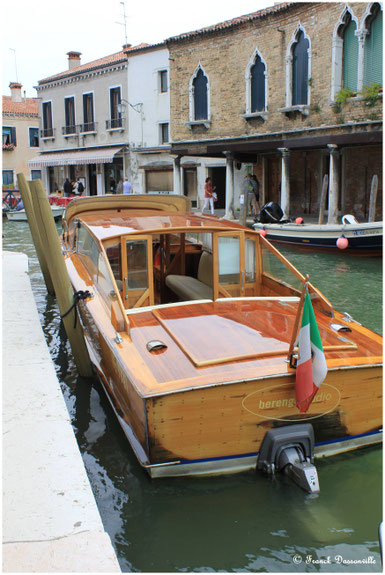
x=324, y=189
x=373, y=199
x=62, y=285
x=29, y=209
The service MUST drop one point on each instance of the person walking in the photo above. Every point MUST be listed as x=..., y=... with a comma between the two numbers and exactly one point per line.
x=67, y=187
x=127, y=187
x=209, y=196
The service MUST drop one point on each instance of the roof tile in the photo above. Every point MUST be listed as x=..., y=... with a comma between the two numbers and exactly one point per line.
x=28, y=107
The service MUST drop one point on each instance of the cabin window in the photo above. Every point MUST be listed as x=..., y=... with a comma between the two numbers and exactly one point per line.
x=278, y=277
x=250, y=260
x=105, y=285
x=88, y=249
x=137, y=272
x=115, y=261
x=228, y=260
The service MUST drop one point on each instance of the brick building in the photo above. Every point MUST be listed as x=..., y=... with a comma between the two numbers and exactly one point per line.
x=291, y=92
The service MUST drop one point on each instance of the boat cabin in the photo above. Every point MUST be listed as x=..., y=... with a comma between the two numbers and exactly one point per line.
x=141, y=258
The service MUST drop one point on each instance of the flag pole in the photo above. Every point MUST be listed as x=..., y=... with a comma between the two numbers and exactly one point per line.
x=298, y=317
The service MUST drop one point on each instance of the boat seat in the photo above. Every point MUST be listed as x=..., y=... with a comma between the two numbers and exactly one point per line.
x=189, y=288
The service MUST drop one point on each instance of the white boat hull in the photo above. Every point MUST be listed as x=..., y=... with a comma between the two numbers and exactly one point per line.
x=21, y=215
x=366, y=236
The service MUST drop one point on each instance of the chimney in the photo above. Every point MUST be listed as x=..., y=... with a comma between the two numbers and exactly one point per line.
x=15, y=91
x=126, y=47
x=73, y=59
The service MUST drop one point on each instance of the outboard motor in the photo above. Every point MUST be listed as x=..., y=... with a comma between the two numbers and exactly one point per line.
x=270, y=213
x=290, y=449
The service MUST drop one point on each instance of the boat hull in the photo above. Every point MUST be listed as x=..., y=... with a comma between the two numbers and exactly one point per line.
x=361, y=237
x=21, y=215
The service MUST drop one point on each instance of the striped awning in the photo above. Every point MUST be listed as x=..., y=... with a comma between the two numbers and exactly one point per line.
x=75, y=157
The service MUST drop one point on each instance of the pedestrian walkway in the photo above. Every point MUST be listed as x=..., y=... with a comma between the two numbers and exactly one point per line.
x=50, y=519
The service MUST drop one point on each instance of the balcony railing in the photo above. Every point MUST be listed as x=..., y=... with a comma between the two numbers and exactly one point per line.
x=88, y=127
x=115, y=123
x=69, y=130
x=47, y=133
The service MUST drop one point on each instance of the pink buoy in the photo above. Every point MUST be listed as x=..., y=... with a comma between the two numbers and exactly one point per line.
x=299, y=221
x=263, y=232
x=342, y=242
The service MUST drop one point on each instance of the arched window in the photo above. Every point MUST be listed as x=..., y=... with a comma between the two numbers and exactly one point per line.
x=300, y=70
x=350, y=53
x=200, y=96
x=257, y=85
x=373, y=47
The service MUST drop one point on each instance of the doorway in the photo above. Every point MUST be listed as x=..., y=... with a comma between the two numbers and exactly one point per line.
x=190, y=185
x=218, y=178
x=92, y=187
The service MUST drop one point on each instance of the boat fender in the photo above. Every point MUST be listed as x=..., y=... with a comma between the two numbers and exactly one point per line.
x=342, y=242
x=262, y=232
x=299, y=220
x=78, y=296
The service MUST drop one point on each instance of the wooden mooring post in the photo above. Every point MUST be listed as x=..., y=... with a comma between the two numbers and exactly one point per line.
x=322, y=201
x=28, y=205
x=59, y=275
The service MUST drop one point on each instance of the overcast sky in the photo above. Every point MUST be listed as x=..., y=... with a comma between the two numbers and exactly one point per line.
x=38, y=34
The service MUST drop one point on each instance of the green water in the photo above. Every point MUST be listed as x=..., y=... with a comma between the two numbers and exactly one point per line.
x=241, y=523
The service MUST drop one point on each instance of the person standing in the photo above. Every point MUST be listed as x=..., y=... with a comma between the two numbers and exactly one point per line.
x=256, y=191
x=119, y=189
x=209, y=198
x=67, y=187
x=127, y=187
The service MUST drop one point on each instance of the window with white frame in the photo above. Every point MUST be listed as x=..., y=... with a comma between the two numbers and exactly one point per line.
x=115, y=115
x=164, y=133
x=69, y=113
x=256, y=78
x=373, y=46
x=33, y=137
x=35, y=174
x=300, y=70
x=88, y=113
x=163, y=84
x=199, y=96
x=47, y=131
x=9, y=136
x=7, y=177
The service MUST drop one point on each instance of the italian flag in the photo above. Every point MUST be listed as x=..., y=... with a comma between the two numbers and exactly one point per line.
x=311, y=364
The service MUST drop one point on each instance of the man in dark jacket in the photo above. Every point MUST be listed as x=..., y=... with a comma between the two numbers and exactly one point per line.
x=67, y=188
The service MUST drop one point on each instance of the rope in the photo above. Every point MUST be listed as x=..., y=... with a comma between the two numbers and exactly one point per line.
x=78, y=296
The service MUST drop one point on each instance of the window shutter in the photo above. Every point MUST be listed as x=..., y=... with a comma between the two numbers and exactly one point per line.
x=300, y=71
x=13, y=136
x=350, y=57
x=258, y=86
x=373, y=53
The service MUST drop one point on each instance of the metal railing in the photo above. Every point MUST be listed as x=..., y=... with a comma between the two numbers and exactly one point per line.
x=115, y=123
x=47, y=133
x=88, y=127
x=69, y=130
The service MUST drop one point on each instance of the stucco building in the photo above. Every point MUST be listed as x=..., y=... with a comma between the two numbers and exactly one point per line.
x=291, y=92
x=20, y=136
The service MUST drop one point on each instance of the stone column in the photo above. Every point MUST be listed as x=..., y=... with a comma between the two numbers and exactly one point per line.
x=285, y=181
x=229, y=213
x=333, y=183
x=177, y=176
x=361, y=57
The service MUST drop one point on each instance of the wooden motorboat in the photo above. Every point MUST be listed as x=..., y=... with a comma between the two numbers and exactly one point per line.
x=359, y=237
x=188, y=325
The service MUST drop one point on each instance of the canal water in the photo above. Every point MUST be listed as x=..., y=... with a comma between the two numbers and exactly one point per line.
x=242, y=523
